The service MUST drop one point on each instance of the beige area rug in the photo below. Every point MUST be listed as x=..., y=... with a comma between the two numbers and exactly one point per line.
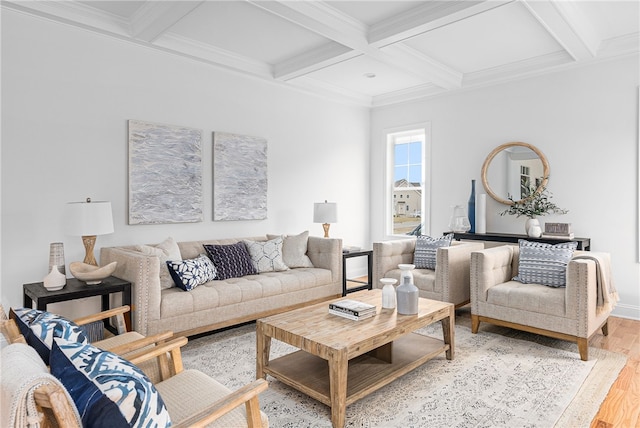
x=498, y=378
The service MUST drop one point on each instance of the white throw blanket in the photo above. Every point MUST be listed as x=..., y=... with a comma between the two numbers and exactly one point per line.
x=607, y=295
x=22, y=373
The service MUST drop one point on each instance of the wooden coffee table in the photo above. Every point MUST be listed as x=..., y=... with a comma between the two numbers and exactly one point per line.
x=340, y=360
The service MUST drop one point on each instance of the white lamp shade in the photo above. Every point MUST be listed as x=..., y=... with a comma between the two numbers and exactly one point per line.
x=325, y=212
x=89, y=218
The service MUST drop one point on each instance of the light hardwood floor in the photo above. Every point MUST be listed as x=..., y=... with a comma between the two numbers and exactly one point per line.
x=621, y=407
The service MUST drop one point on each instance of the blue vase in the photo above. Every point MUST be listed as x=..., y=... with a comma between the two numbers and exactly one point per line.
x=471, y=209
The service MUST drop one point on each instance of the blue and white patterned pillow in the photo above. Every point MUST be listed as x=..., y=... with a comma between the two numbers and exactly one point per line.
x=231, y=261
x=424, y=256
x=107, y=390
x=188, y=274
x=544, y=264
x=267, y=256
x=40, y=327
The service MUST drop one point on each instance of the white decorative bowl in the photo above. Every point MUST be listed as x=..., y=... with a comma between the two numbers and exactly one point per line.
x=91, y=274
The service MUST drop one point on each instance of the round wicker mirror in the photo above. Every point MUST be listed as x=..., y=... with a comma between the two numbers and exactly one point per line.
x=511, y=169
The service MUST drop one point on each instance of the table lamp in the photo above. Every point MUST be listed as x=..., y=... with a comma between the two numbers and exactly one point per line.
x=89, y=219
x=325, y=213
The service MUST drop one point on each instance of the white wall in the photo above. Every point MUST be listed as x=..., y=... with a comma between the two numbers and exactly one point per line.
x=66, y=97
x=585, y=120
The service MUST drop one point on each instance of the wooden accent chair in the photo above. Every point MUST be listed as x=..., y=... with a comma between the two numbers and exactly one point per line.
x=193, y=399
x=449, y=282
x=123, y=343
x=573, y=313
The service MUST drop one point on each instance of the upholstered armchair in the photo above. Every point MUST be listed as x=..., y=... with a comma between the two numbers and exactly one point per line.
x=448, y=282
x=574, y=312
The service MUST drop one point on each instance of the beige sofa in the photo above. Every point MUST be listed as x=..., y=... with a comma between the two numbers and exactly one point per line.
x=222, y=303
x=449, y=282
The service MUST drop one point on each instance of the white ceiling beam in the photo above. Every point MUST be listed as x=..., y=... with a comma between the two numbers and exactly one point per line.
x=329, y=54
x=155, y=17
x=351, y=40
x=213, y=55
x=321, y=19
x=426, y=17
x=566, y=23
x=424, y=67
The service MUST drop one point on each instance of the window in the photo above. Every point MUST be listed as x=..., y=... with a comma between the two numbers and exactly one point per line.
x=406, y=182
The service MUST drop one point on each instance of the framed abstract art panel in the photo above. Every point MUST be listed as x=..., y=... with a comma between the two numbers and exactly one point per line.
x=239, y=177
x=165, y=174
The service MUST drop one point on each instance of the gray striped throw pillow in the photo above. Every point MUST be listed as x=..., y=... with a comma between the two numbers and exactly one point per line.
x=424, y=256
x=544, y=264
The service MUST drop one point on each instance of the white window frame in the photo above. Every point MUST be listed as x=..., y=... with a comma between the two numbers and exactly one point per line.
x=390, y=137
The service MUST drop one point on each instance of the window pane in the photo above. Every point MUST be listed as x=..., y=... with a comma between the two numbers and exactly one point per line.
x=401, y=154
x=415, y=152
x=415, y=174
x=408, y=175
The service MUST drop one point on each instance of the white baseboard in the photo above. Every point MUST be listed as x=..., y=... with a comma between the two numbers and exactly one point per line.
x=626, y=311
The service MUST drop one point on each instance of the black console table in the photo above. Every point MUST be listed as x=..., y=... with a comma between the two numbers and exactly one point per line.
x=583, y=243
x=76, y=289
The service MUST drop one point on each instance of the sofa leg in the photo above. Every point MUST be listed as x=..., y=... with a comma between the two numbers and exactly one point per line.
x=605, y=328
x=475, y=323
x=583, y=348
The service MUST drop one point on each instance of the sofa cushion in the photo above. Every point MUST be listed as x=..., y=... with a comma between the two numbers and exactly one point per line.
x=266, y=255
x=107, y=390
x=528, y=297
x=167, y=250
x=39, y=328
x=545, y=264
x=231, y=261
x=426, y=248
x=294, y=250
x=188, y=274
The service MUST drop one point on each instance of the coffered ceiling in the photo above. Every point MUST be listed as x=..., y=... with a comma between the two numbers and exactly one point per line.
x=370, y=53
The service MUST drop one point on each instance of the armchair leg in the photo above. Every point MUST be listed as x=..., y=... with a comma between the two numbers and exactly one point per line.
x=605, y=328
x=475, y=323
x=583, y=348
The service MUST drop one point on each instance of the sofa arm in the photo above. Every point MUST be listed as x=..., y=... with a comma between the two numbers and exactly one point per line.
x=488, y=268
x=143, y=272
x=452, y=269
x=581, y=293
x=326, y=253
x=388, y=255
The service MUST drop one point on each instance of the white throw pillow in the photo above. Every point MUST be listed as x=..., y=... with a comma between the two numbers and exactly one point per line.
x=294, y=250
x=167, y=250
x=266, y=256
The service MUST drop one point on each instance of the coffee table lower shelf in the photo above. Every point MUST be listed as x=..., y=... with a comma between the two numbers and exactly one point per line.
x=310, y=374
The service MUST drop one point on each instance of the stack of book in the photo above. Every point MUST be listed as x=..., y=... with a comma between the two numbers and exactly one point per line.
x=352, y=309
x=557, y=231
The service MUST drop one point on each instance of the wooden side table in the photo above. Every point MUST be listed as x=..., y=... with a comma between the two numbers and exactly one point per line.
x=368, y=285
x=76, y=289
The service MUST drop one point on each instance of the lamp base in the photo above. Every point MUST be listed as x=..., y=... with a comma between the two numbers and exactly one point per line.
x=89, y=242
x=325, y=226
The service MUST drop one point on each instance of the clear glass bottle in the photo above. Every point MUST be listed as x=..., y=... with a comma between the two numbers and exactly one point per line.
x=407, y=292
x=388, y=293
x=459, y=221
